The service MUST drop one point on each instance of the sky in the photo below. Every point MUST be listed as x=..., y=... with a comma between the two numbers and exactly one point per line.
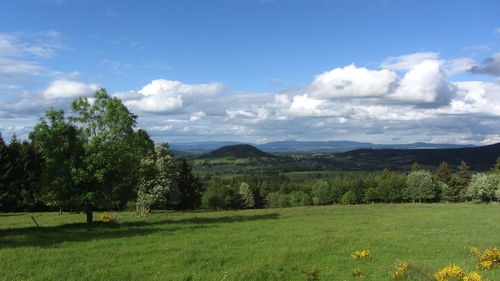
x=382, y=71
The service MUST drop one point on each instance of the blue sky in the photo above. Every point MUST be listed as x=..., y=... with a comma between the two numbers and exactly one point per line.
x=384, y=71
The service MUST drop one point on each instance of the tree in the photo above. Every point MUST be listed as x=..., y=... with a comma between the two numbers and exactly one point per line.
x=98, y=153
x=496, y=167
x=420, y=187
x=157, y=186
x=220, y=195
x=371, y=195
x=444, y=173
x=348, y=198
x=4, y=163
x=483, y=186
x=189, y=186
x=462, y=181
x=246, y=195
x=321, y=193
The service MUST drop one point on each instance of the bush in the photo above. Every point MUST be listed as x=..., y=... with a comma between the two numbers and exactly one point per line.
x=277, y=200
x=348, y=198
x=299, y=198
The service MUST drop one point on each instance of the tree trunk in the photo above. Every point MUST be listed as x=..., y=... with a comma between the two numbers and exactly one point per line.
x=90, y=217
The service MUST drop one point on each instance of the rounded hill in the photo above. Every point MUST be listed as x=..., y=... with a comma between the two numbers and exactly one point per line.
x=236, y=151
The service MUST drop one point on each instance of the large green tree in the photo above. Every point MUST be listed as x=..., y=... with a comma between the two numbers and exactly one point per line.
x=98, y=153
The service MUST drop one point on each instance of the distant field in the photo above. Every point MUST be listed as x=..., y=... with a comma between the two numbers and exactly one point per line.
x=270, y=244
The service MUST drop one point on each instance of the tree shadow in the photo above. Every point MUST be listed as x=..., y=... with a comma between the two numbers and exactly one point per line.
x=227, y=219
x=81, y=232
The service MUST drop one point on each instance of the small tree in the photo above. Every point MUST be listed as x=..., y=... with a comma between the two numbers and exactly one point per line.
x=189, y=185
x=157, y=185
x=420, y=187
x=444, y=173
x=321, y=193
x=483, y=186
x=348, y=198
x=246, y=195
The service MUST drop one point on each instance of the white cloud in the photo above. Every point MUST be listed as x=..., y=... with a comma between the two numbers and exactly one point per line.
x=197, y=116
x=425, y=83
x=407, y=62
x=68, y=89
x=167, y=96
x=14, y=69
x=351, y=81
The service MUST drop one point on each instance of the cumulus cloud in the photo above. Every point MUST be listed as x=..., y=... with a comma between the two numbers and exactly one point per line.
x=68, y=89
x=351, y=81
x=167, y=96
x=490, y=66
x=425, y=84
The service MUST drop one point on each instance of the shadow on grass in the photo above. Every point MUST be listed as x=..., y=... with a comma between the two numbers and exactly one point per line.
x=80, y=232
x=227, y=219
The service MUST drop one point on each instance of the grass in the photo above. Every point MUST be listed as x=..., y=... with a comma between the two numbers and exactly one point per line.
x=271, y=244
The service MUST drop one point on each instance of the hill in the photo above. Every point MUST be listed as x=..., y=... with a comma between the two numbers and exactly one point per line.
x=236, y=152
x=478, y=158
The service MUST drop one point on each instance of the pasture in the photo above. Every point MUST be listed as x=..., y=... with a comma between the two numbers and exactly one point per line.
x=269, y=244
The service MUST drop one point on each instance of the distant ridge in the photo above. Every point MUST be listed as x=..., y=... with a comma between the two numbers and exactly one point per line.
x=478, y=158
x=236, y=151
x=308, y=146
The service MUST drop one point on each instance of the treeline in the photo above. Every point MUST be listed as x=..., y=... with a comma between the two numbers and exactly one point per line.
x=417, y=185
x=94, y=159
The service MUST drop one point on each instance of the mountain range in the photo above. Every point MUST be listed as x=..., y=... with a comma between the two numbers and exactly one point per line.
x=308, y=146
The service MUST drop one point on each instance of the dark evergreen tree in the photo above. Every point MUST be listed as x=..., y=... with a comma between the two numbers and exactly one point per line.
x=462, y=181
x=444, y=173
x=189, y=186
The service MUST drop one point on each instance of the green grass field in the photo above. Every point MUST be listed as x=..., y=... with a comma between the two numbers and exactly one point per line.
x=270, y=244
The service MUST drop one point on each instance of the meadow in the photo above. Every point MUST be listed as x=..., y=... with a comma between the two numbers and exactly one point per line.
x=269, y=244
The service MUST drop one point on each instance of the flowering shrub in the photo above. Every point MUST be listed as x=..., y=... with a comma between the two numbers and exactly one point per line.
x=107, y=218
x=365, y=254
x=450, y=273
x=455, y=273
x=473, y=276
x=401, y=270
x=487, y=259
x=357, y=273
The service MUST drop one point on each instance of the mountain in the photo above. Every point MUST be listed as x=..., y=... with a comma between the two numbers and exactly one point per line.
x=236, y=151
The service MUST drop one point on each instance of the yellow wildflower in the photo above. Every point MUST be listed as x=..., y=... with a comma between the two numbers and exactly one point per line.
x=365, y=254
x=401, y=270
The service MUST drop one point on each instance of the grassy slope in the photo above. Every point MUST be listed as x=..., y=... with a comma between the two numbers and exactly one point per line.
x=272, y=244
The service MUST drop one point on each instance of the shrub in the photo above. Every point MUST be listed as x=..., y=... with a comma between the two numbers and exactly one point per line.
x=487, y=259
x=450, y=273
x=348, y=198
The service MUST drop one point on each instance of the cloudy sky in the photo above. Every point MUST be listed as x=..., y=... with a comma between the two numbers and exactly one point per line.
x=384, y=71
